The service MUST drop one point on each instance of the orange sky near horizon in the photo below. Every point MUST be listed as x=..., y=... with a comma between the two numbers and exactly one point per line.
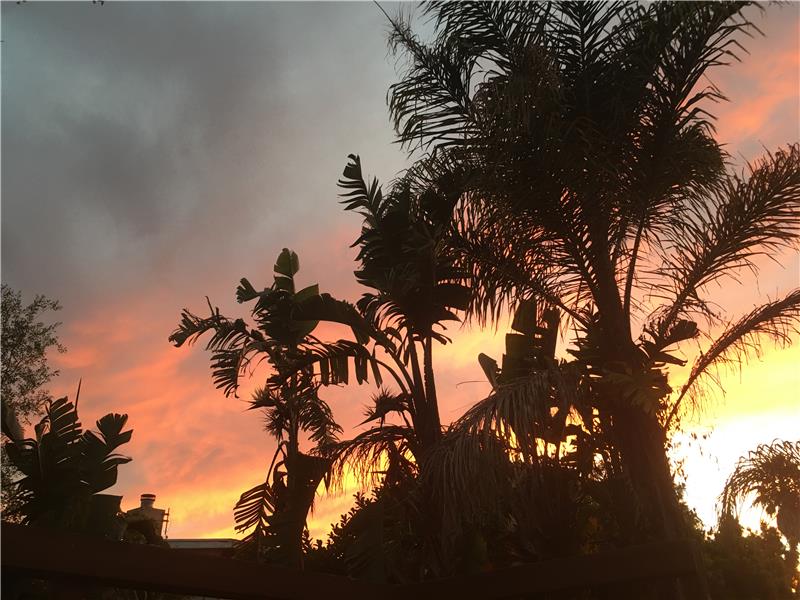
x=197, y=451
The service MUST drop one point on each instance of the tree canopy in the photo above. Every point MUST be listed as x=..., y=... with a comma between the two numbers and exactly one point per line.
x=25, y=342
x=26, y=339
x=581, y=146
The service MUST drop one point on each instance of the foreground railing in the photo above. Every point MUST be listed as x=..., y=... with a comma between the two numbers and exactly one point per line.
x=75, y=562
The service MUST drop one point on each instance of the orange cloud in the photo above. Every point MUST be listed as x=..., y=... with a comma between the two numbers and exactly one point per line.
x=763, y=89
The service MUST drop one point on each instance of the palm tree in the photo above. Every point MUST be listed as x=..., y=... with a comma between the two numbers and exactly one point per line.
x=414, y=287
x=588, y=179
x=771, y=475
x=273, y=512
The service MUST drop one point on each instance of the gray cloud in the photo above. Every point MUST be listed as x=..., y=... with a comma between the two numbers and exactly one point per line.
x=146, y=141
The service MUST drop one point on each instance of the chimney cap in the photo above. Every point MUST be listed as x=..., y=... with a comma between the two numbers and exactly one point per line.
x=150, y=497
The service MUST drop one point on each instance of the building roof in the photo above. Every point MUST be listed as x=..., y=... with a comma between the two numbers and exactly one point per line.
x=201, y=543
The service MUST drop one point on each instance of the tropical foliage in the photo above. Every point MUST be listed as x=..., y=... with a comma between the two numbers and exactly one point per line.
x=566, y=172
x=273, y=513
x=770, y=477
x=414, y=288
x=580, y=146
x=64, y=466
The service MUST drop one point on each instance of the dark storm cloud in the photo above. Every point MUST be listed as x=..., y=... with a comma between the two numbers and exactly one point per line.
x=152, y=141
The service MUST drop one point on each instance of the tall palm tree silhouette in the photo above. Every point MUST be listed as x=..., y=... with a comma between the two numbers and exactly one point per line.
x=589, y=180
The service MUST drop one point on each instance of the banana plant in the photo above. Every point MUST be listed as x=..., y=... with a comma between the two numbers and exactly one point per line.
x=532, y=344
x=273, y=513
x=63, y=465
x=530, y=353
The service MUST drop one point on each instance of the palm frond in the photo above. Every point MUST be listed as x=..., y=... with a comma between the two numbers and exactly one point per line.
x=385, y=402
x=316, y=417
x=192, y=327
x=401, y=254
x=232, y=344
x=745, y=219
x=440, y=74
x=777, y=320
x=375, y=454
x=495, y=30
x=520, y=412
x=366, y=199
x=464, y=474
x=503, y=274
x=252, y=513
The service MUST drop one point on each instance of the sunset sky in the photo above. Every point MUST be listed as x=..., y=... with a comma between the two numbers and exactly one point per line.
x=153, y=154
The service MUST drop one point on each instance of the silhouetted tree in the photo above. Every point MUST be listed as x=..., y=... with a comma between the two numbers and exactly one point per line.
x=742, y=567
x=413, y=288
x=273, y=512
x=770, y=475
x=25, y=343
x=25, y=373
x=63, y=467
x=589, y=179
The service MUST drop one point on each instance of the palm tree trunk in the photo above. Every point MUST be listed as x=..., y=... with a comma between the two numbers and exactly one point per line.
x=426, y=417
x=638, y=435
x=434, y=420
x=641, y=442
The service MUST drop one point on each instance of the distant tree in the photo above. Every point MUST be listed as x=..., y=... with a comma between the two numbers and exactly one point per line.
x=25, y=341
x=770, y=477
x=746, y=567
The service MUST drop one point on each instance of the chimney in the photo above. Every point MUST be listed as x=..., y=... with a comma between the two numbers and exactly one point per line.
x=148, y=512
